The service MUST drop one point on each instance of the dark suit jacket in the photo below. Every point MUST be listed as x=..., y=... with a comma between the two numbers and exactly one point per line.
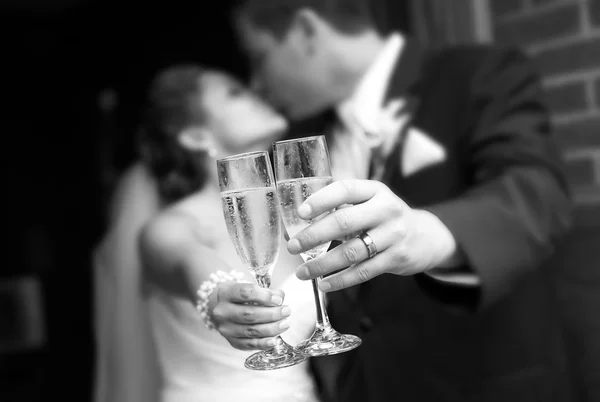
x=502, y=194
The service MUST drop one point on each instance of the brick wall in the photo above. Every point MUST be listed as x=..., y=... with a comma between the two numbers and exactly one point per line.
x=563, y=37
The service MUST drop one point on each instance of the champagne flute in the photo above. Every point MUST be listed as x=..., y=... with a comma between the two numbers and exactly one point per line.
x=302, y=168
x=249, y=200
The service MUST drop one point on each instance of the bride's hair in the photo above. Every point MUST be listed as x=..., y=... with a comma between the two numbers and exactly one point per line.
x=169, y=110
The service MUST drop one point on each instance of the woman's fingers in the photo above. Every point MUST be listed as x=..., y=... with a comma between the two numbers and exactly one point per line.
x=255, y=331
x=247, y=314
x=249, y=293
x=251, y=343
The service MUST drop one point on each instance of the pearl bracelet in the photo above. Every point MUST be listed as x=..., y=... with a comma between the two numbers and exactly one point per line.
x=206, y=290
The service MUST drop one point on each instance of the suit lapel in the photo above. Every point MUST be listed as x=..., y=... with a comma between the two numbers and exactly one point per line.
x=408, y=70
x=405, y=83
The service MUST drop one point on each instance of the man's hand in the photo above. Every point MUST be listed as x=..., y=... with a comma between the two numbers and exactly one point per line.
x=408, y=241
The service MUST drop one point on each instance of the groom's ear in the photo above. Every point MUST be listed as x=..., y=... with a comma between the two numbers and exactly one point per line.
x=305, y=29
x=306, y=21
x=312, y=30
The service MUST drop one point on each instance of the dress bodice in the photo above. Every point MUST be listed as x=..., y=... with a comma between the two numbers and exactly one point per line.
x=200, y=365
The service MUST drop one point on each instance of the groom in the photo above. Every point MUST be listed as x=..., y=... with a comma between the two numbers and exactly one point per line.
x=456, y=187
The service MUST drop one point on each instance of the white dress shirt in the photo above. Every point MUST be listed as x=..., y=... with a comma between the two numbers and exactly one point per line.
x=361, y=114
x=371, y=130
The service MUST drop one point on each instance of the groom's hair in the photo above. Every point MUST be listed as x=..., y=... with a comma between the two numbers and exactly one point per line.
x=347, y=16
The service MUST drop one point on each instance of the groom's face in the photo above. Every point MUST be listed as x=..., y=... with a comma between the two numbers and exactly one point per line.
x=286, y=71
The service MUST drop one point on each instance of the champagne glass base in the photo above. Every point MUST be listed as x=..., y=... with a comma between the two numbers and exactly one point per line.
x=273, y=359
x=327, y=341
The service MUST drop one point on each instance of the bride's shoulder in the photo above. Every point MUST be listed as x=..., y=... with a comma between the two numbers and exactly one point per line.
x=173, y=226
x=136, y=178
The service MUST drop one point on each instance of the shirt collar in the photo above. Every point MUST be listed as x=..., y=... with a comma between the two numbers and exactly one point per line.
x=365, y=103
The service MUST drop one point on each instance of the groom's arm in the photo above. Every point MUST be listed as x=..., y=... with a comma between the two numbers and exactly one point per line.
x=518, y=207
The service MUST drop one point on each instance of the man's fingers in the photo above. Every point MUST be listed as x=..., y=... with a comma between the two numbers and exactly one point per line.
x=337, y=225
x=336, y=194
x=356, y=274
x=349, y=253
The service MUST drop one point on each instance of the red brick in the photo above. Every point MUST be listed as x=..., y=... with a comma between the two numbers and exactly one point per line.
x=567, y=98
x=579, y=134
x=580, y=172
x=594, y=11
x=581, y=55
x=504, y=7
x=539, y=27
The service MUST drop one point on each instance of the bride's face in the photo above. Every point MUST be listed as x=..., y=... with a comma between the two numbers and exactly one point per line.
x=239, y=120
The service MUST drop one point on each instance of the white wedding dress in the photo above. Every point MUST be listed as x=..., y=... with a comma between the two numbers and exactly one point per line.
x=200, y=365
x=153, y=347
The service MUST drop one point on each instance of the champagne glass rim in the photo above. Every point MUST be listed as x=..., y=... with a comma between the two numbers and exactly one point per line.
x=242, y=155
x=313, y=137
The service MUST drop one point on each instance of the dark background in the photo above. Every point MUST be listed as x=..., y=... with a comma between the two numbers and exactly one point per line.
x=57, y=146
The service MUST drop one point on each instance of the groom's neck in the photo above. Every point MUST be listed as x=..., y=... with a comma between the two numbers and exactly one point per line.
x=352, y=57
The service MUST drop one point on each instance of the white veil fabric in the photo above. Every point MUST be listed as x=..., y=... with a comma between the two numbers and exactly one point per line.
x=126, y=363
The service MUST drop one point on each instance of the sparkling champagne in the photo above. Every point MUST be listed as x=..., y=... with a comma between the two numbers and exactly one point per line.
x=253, y=222
x=292, y=193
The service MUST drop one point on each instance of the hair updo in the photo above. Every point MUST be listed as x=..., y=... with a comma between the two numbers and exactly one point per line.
x=169, y=110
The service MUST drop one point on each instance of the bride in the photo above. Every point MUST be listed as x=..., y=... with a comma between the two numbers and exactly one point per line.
x=167, y=236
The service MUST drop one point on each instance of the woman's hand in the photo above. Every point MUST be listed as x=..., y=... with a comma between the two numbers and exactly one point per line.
x=247, y=315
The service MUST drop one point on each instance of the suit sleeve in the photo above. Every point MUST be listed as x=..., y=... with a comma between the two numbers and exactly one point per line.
x=517, y=207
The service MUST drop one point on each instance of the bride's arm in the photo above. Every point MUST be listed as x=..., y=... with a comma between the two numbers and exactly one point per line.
x=174, y=259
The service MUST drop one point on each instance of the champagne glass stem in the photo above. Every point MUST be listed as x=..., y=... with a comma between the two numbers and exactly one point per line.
x=322, y=318
x=264, y=281
x=279, y=347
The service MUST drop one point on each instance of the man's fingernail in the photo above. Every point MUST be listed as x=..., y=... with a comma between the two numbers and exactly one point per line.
x=324, y=286
x=304, y=210
x=303, y=273
x=285, y=324
x=286, y=311
x=276, y=299
x=294, y=246
x=271, y=342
